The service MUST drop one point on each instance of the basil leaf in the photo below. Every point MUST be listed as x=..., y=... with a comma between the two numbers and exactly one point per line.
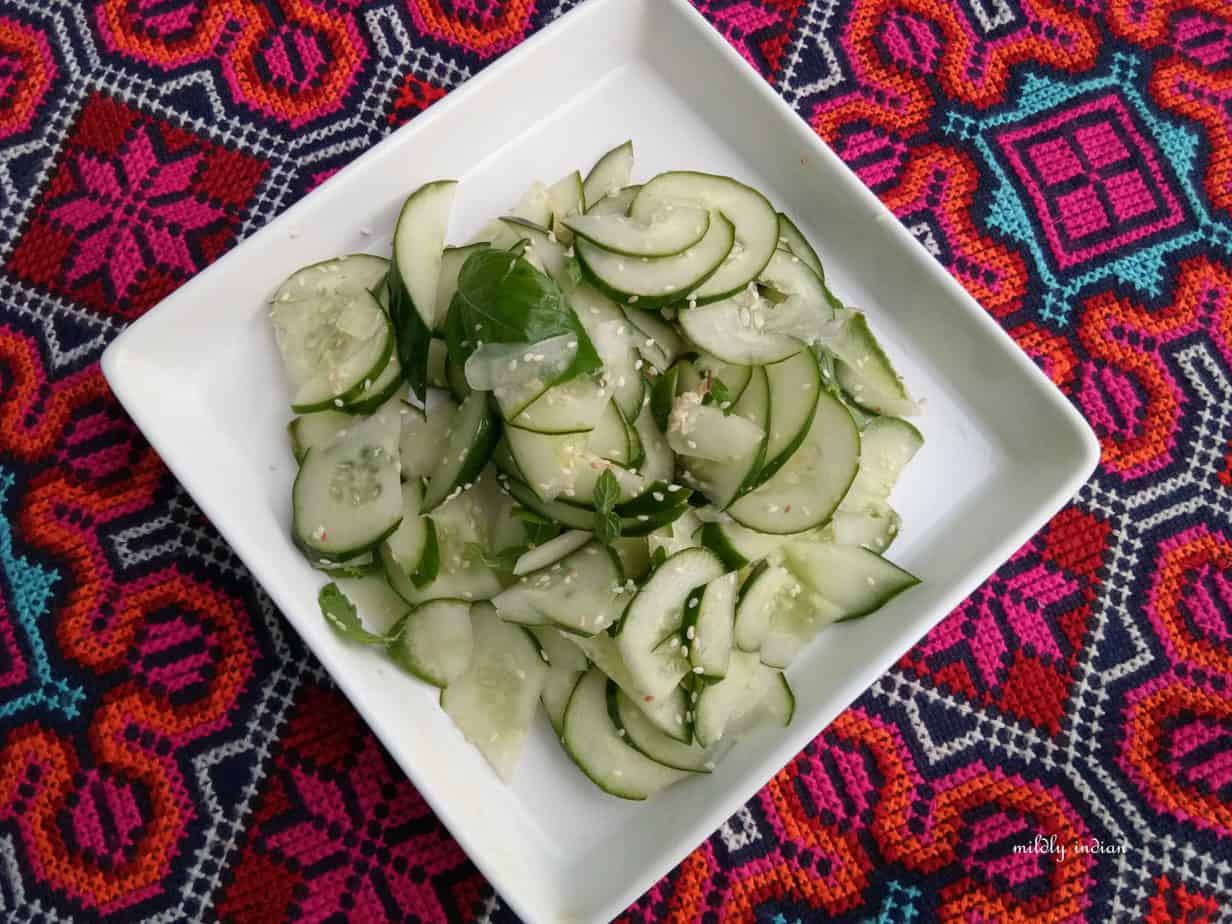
x=606, y=496
x=501, y=298
x=344, y=619
x=607, y=527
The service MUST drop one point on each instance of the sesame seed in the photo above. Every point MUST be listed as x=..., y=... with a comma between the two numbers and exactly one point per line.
x=691, y=632
x=698, y=670
x=658, y=495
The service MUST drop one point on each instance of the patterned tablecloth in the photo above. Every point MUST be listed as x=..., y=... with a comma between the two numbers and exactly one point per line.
x=169, y=752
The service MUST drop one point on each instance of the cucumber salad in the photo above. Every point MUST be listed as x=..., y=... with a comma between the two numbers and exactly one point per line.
x=623, y=455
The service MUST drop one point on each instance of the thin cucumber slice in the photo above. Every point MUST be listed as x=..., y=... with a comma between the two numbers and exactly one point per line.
x=378, y=606
x=652, y=281
x=675, y=537
x=795, y=622
x=606, y=325
x=875, y=526
x=788, y=275
x=658, y=463
x=545, y=249
x=659, y=344
x=472, y=438
x=557, y=465
x=595, y=745
x=550, y=552
x=887, y=445
x=569, y=407
x=566, y=198
x=723, y=482
x=738, y=330
x=376, y=391
x=419, y=241
x=634, y=555
x=666, y=713
x=611, y=173
x=756, y=223
x=557, y=688
x=720, y=704
x=615, y=203
x=795, y=383
x=809, y=487
x=346, y=380
x=738, y=546
x=425, y=434
x=560, y=651
x=437, y=642
x=656, y=613
x=582, y=594
x=615, y=439
x=452, y=260
x=865, y=372
x=791, y=238
x=766, y=589
x=315, y=324
x=317, y=431
x=854, y=579
x=704, y=432
x=667, y=233
x=709, y=627
x=711, y=369
x=347, y=497
x=494, y=701
x=460, y=529
x=633, y=726
x=406, y=545
x=518, y=374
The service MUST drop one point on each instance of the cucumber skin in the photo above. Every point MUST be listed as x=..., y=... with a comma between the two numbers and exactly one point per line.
x=414, y=339
x=331, y=404
x=372, y=404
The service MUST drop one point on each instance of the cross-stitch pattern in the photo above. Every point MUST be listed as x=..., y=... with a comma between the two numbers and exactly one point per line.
x=170, y=753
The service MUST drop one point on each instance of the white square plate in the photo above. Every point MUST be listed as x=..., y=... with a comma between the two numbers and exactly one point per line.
x=1004, y=451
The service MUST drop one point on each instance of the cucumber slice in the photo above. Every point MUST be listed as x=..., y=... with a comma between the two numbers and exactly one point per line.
x=760, y=594
x=738, y=330
x=738, y=546
x=378, y=606
x=425, y=434
x=606, y=325
x=419, y=242
x=709, y=627
x=865, y=372
x=437, y=642
x=710, y=369
x=795, y=622
x=874, y=525
x=790, y=276
x=582, y=594
x=566, y=197
x=347, y=497
x=518, y=374
x=661, y=345
x=343, y=379
x=550, y=552
x=315, y=325
x=656, y=613
x=634, y=556
x=405, y=547
x=795, y=383
x=791, y=238
x=376, y=391
x=675, y=537
x=667, y=233
x=610, y=438
x=452, y=260
x=887, y=445
x=633, y=726
x=666, y=713
x=723, y=482
x=569, y=407
x=809, y=487
x=704, y=432
x=721, y=704
x=854, y=579
x=493, y=702
x=460, y=527
x=592, y=740
x=545, y=249
x=317, y=431
x=471, y=440
x=566, y=665
x=658, y=463
x=652, y=281
x=610, y=174
x=615, y=203
x=755, y=220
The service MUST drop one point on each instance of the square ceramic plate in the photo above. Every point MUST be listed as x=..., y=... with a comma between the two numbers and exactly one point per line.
x=1004, y=451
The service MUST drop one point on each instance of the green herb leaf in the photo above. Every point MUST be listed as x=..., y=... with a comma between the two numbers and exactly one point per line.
x=573, y=271
x=526, y=515
x=606, y=496
x=501, y=298
x=342, y=616
x=539, y=533
x=663, y=395
x=720, y=394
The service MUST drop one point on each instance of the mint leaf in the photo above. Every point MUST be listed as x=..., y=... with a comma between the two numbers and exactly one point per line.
x=501, y=298
x=606, y=496
x=344, y=619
